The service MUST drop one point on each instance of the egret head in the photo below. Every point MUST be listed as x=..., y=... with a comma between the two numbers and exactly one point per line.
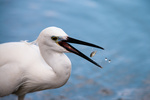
x=50, y=37
x=57, y=40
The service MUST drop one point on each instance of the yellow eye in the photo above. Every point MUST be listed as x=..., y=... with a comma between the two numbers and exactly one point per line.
x=54, y=38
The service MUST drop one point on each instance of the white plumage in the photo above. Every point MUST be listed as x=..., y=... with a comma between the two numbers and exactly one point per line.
x=29, y=67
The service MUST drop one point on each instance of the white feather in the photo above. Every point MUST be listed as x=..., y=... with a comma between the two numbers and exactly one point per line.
x=27, y=67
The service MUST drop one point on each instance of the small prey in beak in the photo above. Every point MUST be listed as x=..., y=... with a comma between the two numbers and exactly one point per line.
x=64, y=43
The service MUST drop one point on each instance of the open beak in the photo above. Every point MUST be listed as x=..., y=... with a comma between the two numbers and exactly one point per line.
x=70, y=48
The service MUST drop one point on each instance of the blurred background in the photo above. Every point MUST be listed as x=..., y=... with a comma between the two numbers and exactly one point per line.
x=122, y=27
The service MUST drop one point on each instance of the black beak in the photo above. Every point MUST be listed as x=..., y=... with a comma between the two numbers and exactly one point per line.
x=70, y=48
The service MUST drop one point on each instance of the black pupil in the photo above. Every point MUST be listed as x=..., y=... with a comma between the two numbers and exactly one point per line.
x=54, y=38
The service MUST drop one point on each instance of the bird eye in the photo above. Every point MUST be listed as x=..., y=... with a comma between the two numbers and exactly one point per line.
x=54, y=38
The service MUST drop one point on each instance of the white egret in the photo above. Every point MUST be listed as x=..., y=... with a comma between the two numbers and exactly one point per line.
x=29, y=67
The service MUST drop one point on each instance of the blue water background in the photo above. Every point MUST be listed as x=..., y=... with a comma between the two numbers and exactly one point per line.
x=122, y=27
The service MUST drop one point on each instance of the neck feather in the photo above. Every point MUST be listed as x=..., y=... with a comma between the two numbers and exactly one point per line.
x=59, y=62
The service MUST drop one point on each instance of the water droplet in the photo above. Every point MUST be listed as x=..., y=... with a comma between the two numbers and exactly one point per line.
x=105, y=59
x=109, y=61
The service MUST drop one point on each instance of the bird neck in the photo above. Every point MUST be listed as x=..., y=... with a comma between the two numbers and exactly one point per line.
x=58, y=61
